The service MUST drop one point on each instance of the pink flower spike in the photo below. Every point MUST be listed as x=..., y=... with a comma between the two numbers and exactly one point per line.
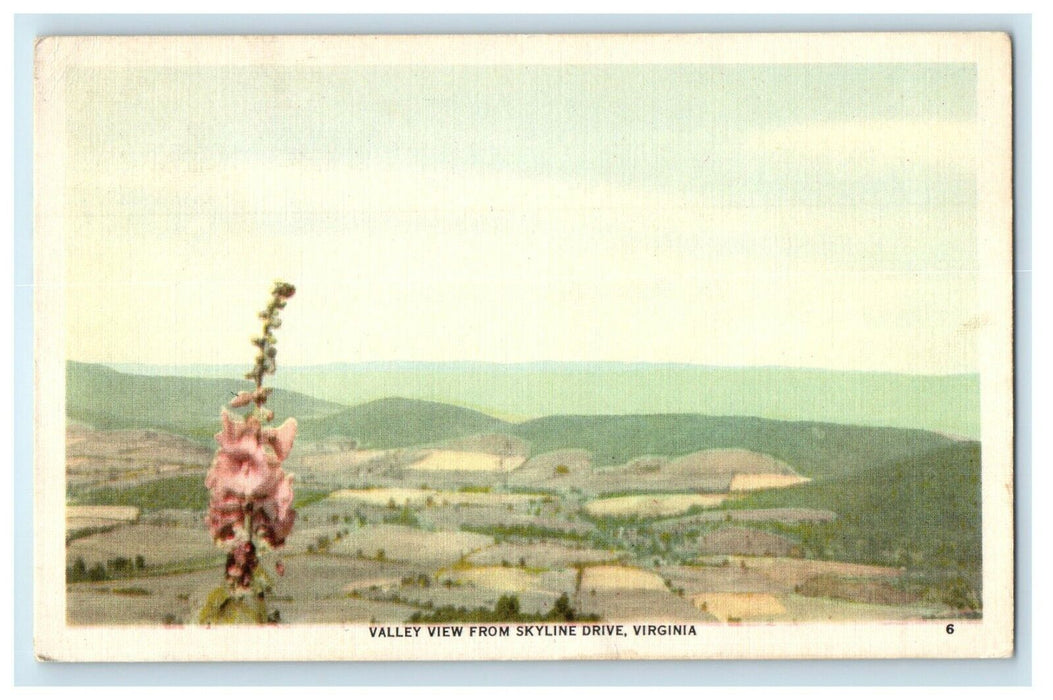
x=274, y=517
x=247, y=475
x=241, y=467
x=224, y=515
x=280, y=568
x=234, y=432
x=281, y=438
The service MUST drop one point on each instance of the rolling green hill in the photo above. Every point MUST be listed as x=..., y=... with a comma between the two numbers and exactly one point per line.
x=921, y=511
x=395, y=422
x=812, y=449
x=190, y=406
x=187, y=406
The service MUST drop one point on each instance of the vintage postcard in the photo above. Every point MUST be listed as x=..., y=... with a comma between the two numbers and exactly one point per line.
x=523, y=347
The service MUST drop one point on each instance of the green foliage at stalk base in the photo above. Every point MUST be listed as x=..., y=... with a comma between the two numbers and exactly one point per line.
x=226, y=608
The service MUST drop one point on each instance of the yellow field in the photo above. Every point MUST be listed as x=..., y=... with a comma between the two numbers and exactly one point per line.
x=78, y=517
x=419, y=497
x=653, y=505
x=543, y=555
x=384, y=496
x=614, y=577
x=758, y=482
x=453, y=460
x=730, y=461
x=742, y=606
x=500, y=578
x=402, y=543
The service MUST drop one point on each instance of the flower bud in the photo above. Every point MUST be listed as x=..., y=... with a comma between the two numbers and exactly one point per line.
x=283, y=289
x=244, y=398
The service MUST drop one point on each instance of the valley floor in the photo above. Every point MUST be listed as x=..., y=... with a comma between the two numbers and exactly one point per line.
x=384, y=535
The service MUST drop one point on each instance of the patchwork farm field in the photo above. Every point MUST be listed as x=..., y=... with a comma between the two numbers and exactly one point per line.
x=652, y=505
x=409, y=509
x=454, y=460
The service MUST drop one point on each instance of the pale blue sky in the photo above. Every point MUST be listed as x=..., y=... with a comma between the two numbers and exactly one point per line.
x=803, y=215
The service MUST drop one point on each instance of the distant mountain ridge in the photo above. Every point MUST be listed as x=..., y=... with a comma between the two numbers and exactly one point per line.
x=523, y=391
x=190, y=406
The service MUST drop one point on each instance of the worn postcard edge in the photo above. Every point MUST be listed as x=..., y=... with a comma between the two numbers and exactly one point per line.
x=990, y=637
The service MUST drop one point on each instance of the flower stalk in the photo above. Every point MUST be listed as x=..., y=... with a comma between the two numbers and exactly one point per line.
x=250, y=505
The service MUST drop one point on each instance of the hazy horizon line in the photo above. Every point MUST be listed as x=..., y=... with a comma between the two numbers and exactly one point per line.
x=395, y=365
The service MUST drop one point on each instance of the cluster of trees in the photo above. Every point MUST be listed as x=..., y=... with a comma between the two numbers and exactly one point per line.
x=529, y=531
x=119, y=567
x=322, y=542
x=404, y=516
x=506, y=609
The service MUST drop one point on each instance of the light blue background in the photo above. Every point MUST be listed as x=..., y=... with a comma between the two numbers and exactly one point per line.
x=27, y=671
